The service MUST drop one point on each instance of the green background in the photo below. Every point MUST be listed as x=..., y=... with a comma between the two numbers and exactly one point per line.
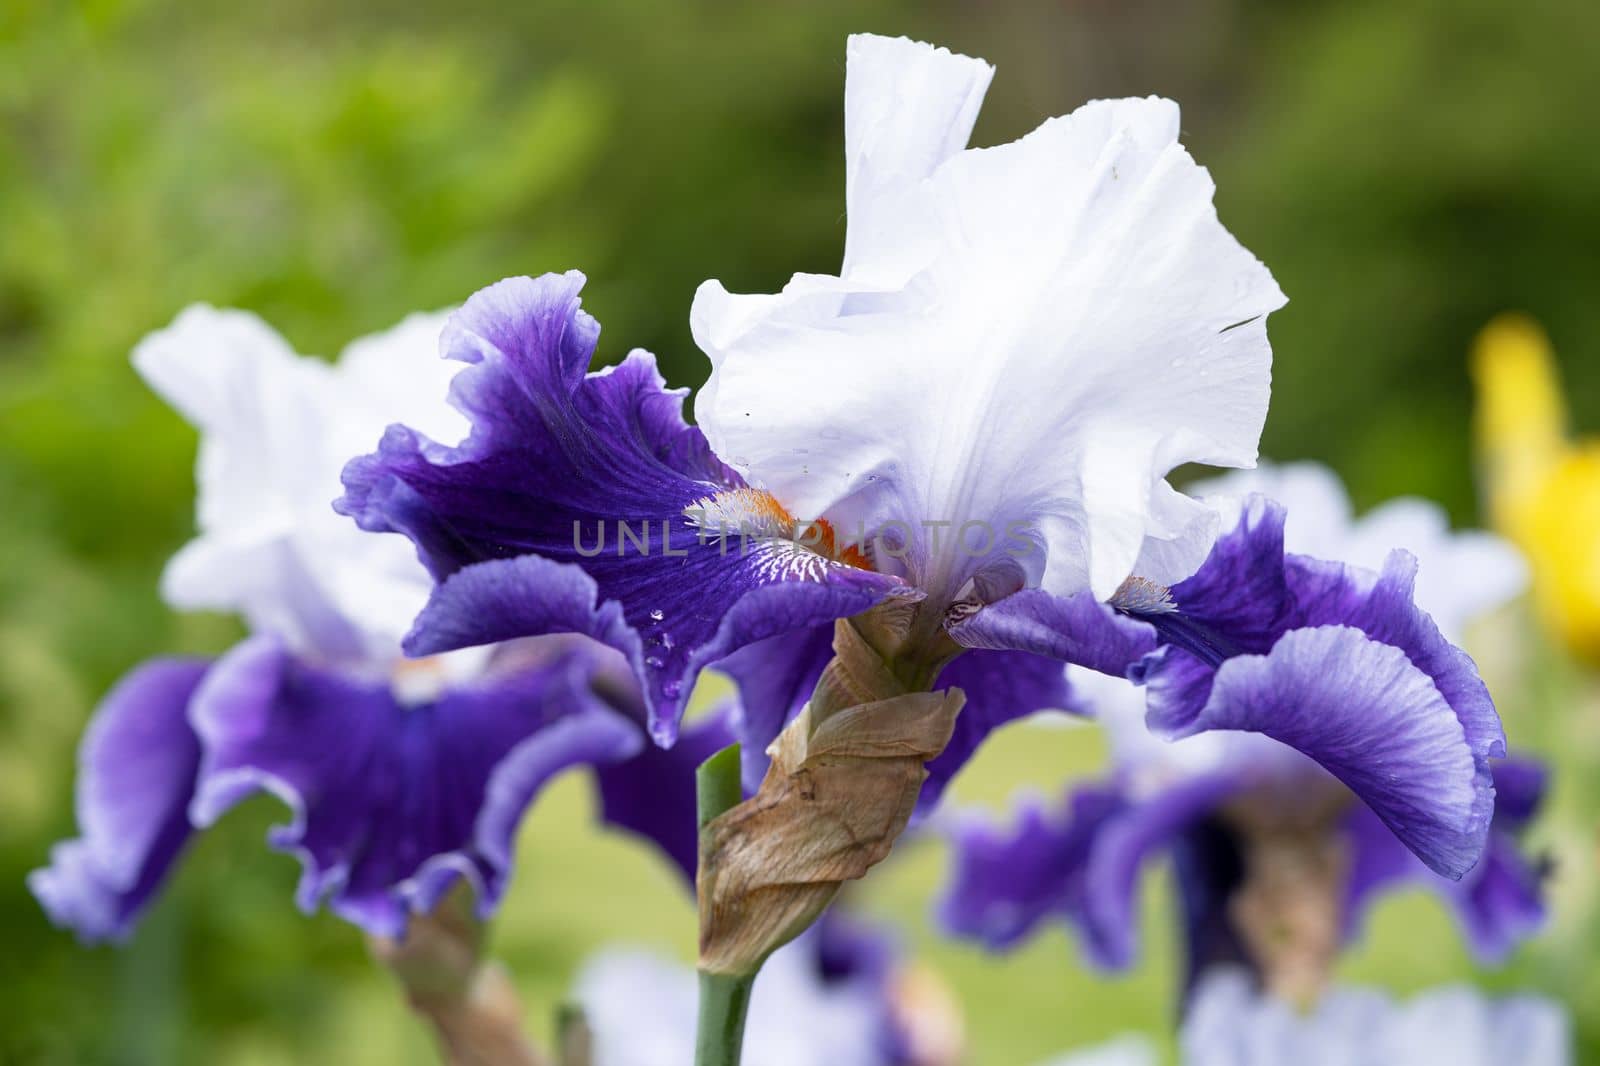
x=1407, y=169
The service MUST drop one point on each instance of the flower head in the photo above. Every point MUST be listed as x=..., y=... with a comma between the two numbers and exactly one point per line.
x=1305, y=768
x=1021, y=342
x=401, y=776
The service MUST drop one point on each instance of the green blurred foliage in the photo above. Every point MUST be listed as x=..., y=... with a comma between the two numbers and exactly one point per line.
x=1406, y=168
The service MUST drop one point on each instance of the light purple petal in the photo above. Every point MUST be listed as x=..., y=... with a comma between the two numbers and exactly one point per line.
x=555, y=459
x=136, y=772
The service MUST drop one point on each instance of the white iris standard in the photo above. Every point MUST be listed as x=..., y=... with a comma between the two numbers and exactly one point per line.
x=275, y=431
x=1020, y=345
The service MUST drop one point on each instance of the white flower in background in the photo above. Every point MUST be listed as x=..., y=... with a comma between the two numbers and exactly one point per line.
x=641, y=1010
x=275, y=432
x=1229, y=1024
x=1463, y=574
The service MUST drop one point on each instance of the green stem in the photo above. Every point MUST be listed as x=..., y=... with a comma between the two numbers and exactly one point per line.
x=724, y=998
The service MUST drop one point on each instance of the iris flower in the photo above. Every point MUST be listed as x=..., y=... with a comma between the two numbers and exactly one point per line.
x=976, y=415
x=1543, y=487
x=1201, y=799
x=402, y=776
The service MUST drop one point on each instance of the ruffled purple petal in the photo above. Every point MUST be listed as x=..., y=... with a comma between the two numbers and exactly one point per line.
x=1071, y=629
x=136, y=773
x=1388, y=614
x=1374, y=721
x=1499, y=903
x=652, y=794
x=392, y=803
x=559, y=458
x=1338, y=663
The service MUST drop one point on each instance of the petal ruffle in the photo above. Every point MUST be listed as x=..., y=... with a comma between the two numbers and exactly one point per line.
x=392, y=803
x=136, y=773
x=1370, y=717
x=557, y=462
x=1256, y=639
x=1070, y=629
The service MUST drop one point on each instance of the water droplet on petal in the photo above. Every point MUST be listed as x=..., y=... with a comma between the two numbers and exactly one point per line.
x=655, y=662
x=657, y=615
x=671, y=689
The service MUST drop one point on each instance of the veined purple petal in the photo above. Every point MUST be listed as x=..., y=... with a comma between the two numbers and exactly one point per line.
x=1071, y=629
x=392, y=803
x=1499, y=903
x=136, y=773
x=1371, y=718
x=1387, y=613
x=1257, y=638
x=558, y=462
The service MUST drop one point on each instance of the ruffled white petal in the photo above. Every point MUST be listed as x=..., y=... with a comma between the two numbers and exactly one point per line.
x=1056, y=324
x=908, y=108
x=275, y=431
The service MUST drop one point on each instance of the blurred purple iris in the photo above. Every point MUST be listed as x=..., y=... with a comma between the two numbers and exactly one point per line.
x=401, y=776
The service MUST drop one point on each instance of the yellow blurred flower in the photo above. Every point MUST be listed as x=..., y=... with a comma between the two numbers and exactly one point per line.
x=1543, y=487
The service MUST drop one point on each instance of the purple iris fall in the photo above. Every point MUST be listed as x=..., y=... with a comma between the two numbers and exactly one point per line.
x=978, y=413
x=1402, y=729
x=401, y=776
